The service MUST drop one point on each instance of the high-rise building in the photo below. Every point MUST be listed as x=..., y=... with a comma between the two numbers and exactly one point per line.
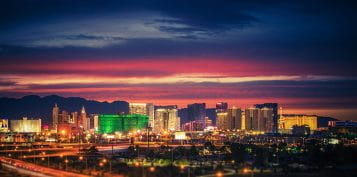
x=96, y=122
x=221, y=107
x=259, y=119
x=87, y=122
x=122, y=123
x=252, y=119
x=230, y=120
x=64, y=117
x=235, y=118
x=196, y=112
x=222, y=120
x=243, y=120
x=26, y=125
x=55, y=114
x=266, y=122
x=273, y=106
x=143, y=109
x=82, y=121
x=73, y=118
x=166, y=119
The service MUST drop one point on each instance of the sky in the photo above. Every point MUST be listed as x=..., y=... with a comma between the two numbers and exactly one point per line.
x=300, y=54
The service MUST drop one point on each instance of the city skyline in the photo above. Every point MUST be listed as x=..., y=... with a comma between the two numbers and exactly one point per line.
x=178, y=88
x=286, y=110
x=298, y=54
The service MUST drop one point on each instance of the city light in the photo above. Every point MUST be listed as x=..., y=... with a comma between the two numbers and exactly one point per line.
x=219, y=174
x=152, y=169
x=245, y=170
x=178, y=88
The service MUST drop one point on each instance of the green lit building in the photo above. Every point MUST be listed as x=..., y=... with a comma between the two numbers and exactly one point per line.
x=110, y=123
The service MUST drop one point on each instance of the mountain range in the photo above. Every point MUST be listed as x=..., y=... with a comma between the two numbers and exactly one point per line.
x=34, y=106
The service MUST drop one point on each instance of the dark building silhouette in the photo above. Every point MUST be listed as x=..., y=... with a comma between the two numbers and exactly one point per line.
x=221, y=107
x=196, y=112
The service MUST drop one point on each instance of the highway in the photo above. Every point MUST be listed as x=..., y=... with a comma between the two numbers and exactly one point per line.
x=35, y=170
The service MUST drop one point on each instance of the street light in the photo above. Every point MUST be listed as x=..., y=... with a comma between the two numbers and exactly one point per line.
x=152, y=169
x=182, y=167
x=66, y=161
x=219, y=174
x=245, y=170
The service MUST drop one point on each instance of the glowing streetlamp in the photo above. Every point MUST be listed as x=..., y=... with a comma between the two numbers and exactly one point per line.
x=152, y=169
x=219, y=174
x=245, y=170
x=182, y=167
x=66, y=162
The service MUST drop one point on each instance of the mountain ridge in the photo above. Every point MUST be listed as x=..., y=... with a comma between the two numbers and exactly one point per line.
x=34, y=106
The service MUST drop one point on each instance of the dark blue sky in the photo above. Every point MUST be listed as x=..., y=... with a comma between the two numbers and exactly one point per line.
x=299, y=53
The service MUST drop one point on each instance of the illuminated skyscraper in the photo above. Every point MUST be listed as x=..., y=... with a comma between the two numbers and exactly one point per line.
x=243, y=120
x=235, y=118
x=73, y=118
x=166, y=119
x=55, y=114
x=82, y=121
x=273, y=106
x=143, y=109
x=259, y=119
x=196, y=112
x=96, y=122
x=64, y=117
x=266, y=121
x=222, y=120
x=230, y=120
x=252, y=119
x=122, y=123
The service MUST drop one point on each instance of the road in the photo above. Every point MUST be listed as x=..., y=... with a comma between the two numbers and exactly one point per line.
x=35, y=170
